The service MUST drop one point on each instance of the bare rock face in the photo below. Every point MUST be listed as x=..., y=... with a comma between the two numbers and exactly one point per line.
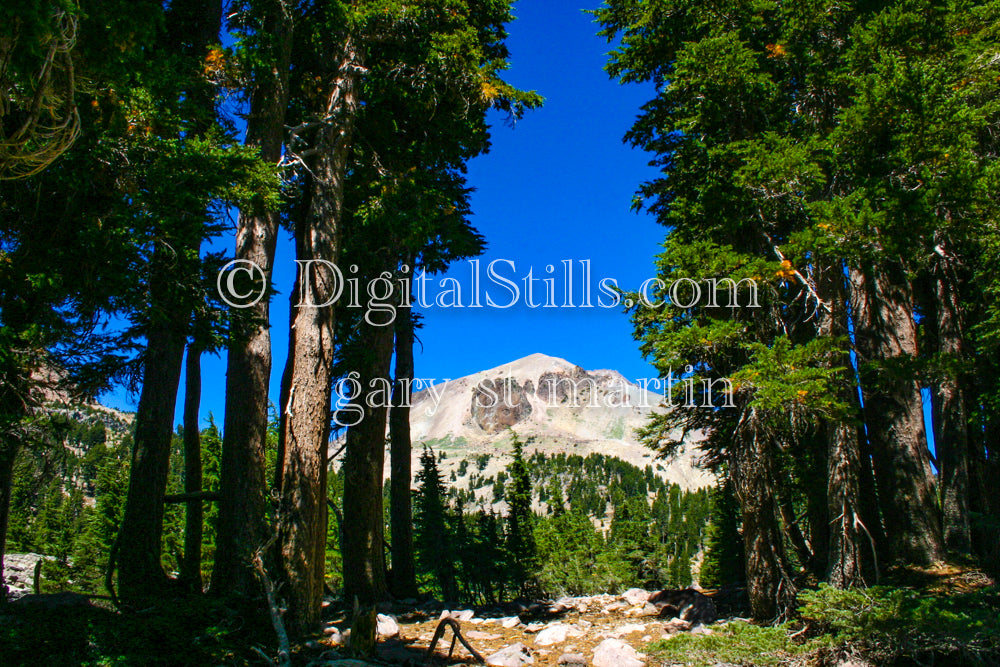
x=566, y=387
x=499, y=404
x=20, y=571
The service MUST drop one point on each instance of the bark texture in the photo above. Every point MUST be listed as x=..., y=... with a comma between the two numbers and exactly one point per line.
x=364, y=539
x=404, y=582
x=242, y=525
x=770, y=587
x=851, y=551
x=306, y=415
x=140, y=573
x=886, y=343
x=950, y=415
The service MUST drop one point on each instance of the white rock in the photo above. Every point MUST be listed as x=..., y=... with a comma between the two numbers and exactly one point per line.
x=515, y=655
x=616, y=653
x=701, y=630
x=464, y=615
x=676, y=625
x=511, y=622
x=554, y=634
x=387, y=626
x=636, y=596
x=627, y=629
x=483, y=636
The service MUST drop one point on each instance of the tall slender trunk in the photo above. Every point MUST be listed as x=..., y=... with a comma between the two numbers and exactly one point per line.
x=306, y=416
x=8, y=454
x=242, y=527
x=140, y=573
x=886, y=344
x=191, y=26
x=404, y=582
x=193, y=513
x=851, y=551
x=769, y=580
x=364, y=464
x=950, y=416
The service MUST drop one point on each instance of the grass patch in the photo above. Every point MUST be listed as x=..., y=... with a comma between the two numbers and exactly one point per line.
x=737, y=643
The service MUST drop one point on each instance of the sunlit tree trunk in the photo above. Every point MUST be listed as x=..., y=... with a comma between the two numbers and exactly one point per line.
x=243, y=478
x=306, y=415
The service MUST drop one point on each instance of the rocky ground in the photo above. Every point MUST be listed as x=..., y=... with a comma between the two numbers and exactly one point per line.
x=600, y=630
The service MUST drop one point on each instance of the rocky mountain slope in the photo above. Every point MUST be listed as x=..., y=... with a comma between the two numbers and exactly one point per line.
x=554, y=406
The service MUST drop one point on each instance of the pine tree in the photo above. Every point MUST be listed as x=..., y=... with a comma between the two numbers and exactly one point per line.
x=431, y=538
x=520, y=540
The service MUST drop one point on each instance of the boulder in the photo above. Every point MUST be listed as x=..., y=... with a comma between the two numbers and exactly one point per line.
x=635, y=596
x=386, y=626
x=676, y=625
x=515, y=655
x=572, y=660
x=616, y=653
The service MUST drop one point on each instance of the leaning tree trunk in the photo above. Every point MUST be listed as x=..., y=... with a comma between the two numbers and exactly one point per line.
x=193, y=513
x=306, y=416
x=140, y=573
x=851, y=551
x=242, y=527
x=886, y=343
x=950, y=416
x=404, y=582
x=363, y=530
x=769, y=582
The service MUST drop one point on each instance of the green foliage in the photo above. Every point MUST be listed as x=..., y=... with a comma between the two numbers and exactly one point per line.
x=736, y=643
x=520, y=542
x=723, y=563
x=901, y=622
x=433, y=547
x=574, y=559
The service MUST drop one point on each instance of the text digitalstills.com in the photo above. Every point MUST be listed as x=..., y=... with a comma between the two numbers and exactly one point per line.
x=242, y=284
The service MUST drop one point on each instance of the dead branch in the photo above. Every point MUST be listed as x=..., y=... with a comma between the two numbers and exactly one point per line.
x=284, y=648
x=456, y=634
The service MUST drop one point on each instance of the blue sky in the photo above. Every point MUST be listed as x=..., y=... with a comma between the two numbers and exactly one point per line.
x=556, y=187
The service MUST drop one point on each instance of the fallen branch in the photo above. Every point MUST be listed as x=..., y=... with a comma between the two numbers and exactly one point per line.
x=456, y=631
x=284, y=648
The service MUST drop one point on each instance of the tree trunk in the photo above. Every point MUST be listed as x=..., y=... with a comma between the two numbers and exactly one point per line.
x=8, y=454
x=242, y=526
x=769, y=582
x=306, y=416
x=193, y=511
x=851, y=554
x=950, y=416
x=364, y=463
x=404, y=582
x=140, y=573
x=886, y=343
